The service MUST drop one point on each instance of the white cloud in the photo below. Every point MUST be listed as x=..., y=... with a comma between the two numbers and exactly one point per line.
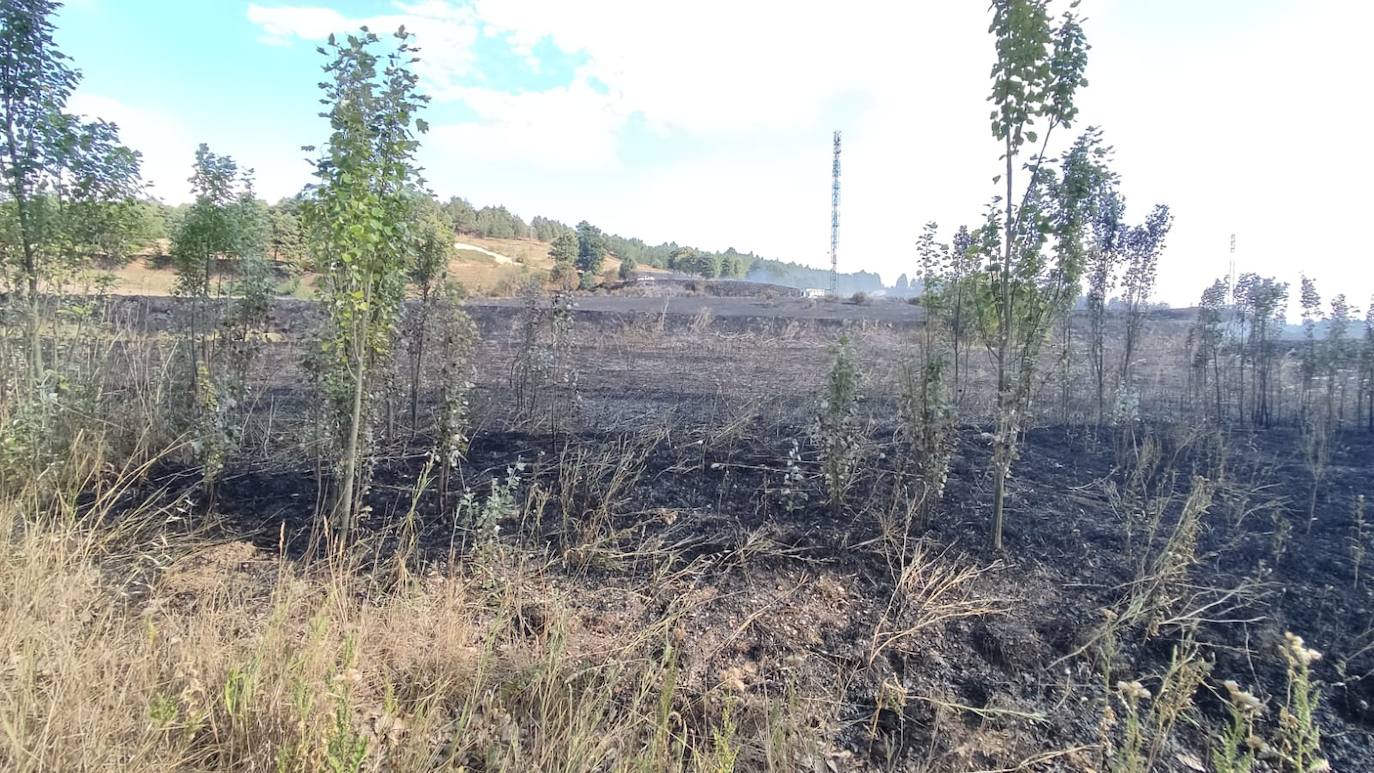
x=168, y=147
x=1249, y=122
x=163, y=140
x=567, y=128
x=280, y=25
x=445, y=32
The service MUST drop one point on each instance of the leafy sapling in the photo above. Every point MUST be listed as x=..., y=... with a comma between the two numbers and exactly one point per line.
x=836, y=430
x=358, y=224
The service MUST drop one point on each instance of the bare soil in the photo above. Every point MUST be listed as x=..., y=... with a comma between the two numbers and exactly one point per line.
x=707, y=396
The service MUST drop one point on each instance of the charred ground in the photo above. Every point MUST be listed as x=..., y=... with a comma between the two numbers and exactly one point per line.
x=656, y=496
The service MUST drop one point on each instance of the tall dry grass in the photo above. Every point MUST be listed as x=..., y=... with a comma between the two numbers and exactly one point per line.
x=169, y=653
x=129, y=643
x=133, y=639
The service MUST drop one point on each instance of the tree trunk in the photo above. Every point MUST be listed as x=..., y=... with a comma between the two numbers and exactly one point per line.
x=1216, y=375
x=35, y=333
x=419, y=354
x=1004, y=418
x=999, y=481
x=954, y=339
x=1240, y=387
x=1098, y=367
x=343, y=512
x=30, y=258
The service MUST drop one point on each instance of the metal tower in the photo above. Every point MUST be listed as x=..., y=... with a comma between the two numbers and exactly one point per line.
x=835, y=215
x=1231, y=273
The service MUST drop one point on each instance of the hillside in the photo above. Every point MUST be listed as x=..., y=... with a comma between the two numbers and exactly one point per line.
x=485, y=266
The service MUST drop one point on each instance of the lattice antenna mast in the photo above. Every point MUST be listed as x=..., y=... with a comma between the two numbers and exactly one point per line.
x=835, y=216
x=1231, y=272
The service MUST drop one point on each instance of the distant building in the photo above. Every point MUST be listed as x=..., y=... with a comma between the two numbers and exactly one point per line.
x=814, y=292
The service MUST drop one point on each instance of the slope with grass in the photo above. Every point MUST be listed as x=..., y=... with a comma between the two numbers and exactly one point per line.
x=484, y=266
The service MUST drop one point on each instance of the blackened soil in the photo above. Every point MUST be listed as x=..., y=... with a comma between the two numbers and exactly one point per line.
x=798, y=591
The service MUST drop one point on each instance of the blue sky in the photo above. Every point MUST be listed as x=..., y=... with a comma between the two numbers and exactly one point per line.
x=709, y=123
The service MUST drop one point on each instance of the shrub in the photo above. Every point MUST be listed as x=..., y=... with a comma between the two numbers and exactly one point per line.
x=836, y=428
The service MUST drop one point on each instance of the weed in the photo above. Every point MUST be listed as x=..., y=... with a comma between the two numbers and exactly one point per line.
x=930, y=590
x=1316, y=453
x=1148, y=728
x=792, y=492
x=928, y=420
x=1239, y=747
x=1298, y=741
x=836, y=428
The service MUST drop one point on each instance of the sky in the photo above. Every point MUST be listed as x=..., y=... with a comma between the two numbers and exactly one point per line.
x=709, y=123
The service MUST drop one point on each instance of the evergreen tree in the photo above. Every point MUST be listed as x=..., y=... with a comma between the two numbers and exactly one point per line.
x=460, y=215
x=564, y=254
x=564, y=248
x=591, y=249
x=286, y=238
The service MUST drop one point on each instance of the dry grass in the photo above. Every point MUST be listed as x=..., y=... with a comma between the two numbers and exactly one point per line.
x=140, y=648
x=200, y=656
x=484, y=274
x=141, y=276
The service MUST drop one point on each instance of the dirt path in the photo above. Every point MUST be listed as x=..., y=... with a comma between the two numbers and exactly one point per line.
x=496, y=255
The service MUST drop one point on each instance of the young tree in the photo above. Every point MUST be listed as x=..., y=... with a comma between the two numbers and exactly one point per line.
x=836, y=430
x=48, y=159
x=110, y=231
x=927, y=414
x=968, y=250
x=1263, y=299
x=1142, y=248
x=225, y=223
x=1109, y=237
x=207, y=232
x=1311, y=302
x=1337, y=356
x=1038, y=71
x=432, y=248
x=358, y=223
x=1209, y=334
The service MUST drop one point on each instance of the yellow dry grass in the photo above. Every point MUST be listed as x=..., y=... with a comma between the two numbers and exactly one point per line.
x=128, y=642
x=480, y=274
x=174, y=653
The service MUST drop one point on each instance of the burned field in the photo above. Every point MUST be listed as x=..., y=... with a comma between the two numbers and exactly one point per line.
x=652, y=485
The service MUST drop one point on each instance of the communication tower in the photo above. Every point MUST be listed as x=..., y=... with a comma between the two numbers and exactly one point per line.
x=835, y=216
x=1231, y=272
